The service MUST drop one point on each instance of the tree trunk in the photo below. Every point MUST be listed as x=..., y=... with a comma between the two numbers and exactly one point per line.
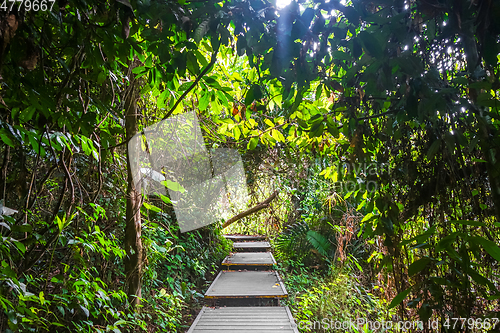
x=485, y=142
x=133, y=242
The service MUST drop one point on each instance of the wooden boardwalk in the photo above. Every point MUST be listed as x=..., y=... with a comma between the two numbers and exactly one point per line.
x=246, y=295
x=263, y=319
x=239, y=238
x=252, y=246
x=249, y=260
x=232, y=284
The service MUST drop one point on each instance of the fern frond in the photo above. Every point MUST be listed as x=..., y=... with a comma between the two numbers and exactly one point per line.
x=293, y=239
x=319, y=242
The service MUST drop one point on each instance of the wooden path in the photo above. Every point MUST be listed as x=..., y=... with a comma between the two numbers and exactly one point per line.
x=245, y=297
x=252, y=246
x=240, y=238
x=249, y=261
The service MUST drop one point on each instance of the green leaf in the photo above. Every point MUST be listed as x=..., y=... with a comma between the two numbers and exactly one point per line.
x=447, y=240
x=236, y=132
x=59, y=278
x=222, y=98
x=351, y=14
x=192, y=63
x=268, y=122
x=35, y=144
x=151, y=207
x=95, y=154
x=174, y=186
x=85, y=145
x=460, y=80
x=185, y=86
x=319, y=242
x=318, y=92
x=20, y=246
x=486, y=85
x=241, y=45
x=433, y=149
x=41, y=297
x=431, y=29
x=252, y=143
x=367, y=217
x=201, y=31
x=339, y=55
x=399, y=298
x=418, y=265
x=216, y=106
x=201, y=58
x=474, y=223
x=277, y=135
x=165, y=199
x=102, y=77
x=493, y=297
x=5, y=138
x=488, y=246
x=22, y=228
x=371, y=44
x=478, y=277
x=302, y=123
x=204, y=100
x=85, y=310
x=317, y=129
x=27, y=114
x=60, y=223
x=333, y=130
x=425, y=312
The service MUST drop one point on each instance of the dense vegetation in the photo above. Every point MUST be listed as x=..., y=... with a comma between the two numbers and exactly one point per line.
x=376, y=121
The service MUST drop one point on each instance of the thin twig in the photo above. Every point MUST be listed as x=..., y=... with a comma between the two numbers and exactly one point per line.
x=198, y=78
x=99, y=187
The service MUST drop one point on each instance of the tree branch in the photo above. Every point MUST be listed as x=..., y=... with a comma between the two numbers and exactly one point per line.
x=377, y=115
x=198, y=78
x=254, y=209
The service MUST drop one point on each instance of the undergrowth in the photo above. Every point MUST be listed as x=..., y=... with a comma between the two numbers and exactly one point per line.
x=82, y=291
x=332, y=301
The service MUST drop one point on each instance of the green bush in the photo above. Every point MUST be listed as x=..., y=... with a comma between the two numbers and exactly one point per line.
x=320, y=300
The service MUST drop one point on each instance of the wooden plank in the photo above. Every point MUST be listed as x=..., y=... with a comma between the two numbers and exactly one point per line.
x=251, y=246
x=250, y=259
x=244, y=320
x=248, y=284
x=245, y=237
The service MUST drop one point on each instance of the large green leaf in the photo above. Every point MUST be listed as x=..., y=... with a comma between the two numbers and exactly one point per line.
x=201, y=31
x=371, y=44
x=468, y=222
x=174, y=186
x=488, y=245
x=433, y=149
x=418, y=265
x=399, y=298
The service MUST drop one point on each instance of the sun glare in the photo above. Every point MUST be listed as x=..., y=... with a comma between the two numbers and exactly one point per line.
x=282, y=3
